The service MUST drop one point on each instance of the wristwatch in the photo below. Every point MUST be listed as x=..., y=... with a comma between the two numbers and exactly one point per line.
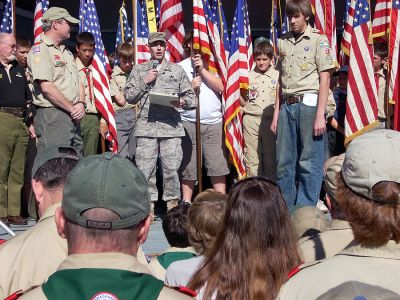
x=84, y=104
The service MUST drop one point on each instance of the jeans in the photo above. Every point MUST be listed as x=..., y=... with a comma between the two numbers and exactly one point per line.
x=300, y=155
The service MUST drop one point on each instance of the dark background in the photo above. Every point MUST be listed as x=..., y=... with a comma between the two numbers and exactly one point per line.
x=259, y=11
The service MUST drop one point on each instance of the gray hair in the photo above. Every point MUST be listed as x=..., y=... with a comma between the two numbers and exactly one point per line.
x=47, y=24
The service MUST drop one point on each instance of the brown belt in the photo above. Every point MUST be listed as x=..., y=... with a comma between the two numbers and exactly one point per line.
x=293, y=99
x=18, y=112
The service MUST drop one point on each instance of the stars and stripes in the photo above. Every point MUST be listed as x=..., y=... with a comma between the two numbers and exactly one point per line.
x=381, y=21
x=141, y=33
x=124, y=31
x=171, y=22
x=238, y=68
x=361, y=106
x=346, y=37
x=274, y=33
x=394, y=52
x=325, y=21
x=218, y=11
x=100, y=69
x=40, y=8
x=7, y=23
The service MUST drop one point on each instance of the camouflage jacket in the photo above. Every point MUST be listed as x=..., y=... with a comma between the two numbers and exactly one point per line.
x=156, y=120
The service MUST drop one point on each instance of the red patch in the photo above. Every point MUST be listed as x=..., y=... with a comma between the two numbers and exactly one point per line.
x=186, y=291
x=294, y=271
x=57, y=57
x=327, y=50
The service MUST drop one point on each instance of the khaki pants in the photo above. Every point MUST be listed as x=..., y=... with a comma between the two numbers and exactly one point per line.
x=13, y=144
x=259, y=146
x=90, y=134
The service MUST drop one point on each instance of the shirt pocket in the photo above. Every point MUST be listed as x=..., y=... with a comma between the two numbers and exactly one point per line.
x=306, y=63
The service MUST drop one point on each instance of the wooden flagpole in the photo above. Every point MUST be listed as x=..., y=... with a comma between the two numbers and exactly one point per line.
x=134, y=18
x=14, y=18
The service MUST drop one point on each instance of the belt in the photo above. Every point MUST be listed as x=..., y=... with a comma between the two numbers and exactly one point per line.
x=293, y=99
x=18, y=112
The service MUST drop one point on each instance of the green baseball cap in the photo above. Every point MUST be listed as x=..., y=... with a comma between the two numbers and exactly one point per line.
x=308, y=221
x=156, y=36
x=56, y=13
x=106, y=181
x=372, y=158
x=332, y=166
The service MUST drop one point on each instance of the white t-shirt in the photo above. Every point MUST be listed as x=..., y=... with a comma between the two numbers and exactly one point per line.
x=210, y=101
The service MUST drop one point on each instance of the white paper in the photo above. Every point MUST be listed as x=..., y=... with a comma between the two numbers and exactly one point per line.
x=162, y=99
x=310, y=99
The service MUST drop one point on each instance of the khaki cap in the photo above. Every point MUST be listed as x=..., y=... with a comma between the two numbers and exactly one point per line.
x=156, y=36
x=56, y=13
x=371, y=158
x=332, y=167
x=308, y=221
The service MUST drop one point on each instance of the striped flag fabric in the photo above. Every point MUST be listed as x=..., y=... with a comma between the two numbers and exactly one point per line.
x=274, y=30
x=40, y=7
x=171, y=22
x=249, y=40
x=381, y=21
x=89, y=22
x=237, y=79
x=124, y=32
x=361, y=106
x=7, y=23
x=141, y=32
x=346, y=37
x=325, y=21
x=394, y=52
x=218, y=10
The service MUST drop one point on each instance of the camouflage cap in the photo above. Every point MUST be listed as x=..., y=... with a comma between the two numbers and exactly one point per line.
x=331, y=168
x=372, y=158
x=106, y=181
x=56, y=13
x=156, y=36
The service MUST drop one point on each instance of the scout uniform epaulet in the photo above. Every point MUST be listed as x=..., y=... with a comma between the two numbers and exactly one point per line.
x=20, y=293
x=185, y=290
x=302, y=266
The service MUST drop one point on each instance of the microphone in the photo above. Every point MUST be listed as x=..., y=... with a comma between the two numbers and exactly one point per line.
x=154, y=63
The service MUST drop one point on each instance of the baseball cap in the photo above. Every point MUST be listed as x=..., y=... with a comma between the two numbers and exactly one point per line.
x=372, y=158
x=332, y=166
x=56, y=13
x=308, y=221
x=156, y=36
x=43, y=156
x=106, y=181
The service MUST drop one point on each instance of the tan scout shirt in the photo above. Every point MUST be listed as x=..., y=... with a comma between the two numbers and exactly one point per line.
x=31, y=257
x=375, y=266
x=55, y=64
x=117, y=86
x=300, y=61
x=328, y=243
x=262, y=86
x=381, y=93
x=157, y=270
x=105, y=261
x=83, y=73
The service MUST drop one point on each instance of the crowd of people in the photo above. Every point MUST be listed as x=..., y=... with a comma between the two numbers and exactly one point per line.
x=262, y=238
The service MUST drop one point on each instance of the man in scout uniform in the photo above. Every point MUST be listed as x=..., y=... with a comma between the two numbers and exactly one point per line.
x=380, y=74
x=338, y=233
x=56, y=83
x=90, y=123
x=159, y=128
x=31, y=257
x=105, y=217
x=14, y=98
x=175, y=228
x=260, y=140
x=368, y=191
x=305, y=63
x=125, y=113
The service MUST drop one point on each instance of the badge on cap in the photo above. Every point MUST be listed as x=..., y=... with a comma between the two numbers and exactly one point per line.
x=104, y=296
x=306, y=48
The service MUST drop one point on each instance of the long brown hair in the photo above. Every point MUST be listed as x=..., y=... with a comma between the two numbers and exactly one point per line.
x=256, y=249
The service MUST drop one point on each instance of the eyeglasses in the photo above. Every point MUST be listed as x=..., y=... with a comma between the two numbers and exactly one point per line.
x=13, y=46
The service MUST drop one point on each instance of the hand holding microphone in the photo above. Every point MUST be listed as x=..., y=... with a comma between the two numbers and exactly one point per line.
x=152, y=73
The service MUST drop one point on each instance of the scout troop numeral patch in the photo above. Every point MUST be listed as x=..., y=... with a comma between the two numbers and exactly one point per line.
x=104, y=296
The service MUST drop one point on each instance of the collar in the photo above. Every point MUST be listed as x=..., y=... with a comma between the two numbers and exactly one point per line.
x=80, y=66
x=176, y=249
x=112, y=260
x=13, y=64
x=118, y=71
x=268, y=73
x=49, y=42
x=165, y=65
x=50, y=212
x=337, y=224
x=307, y=34
x=389, y=251
x=381, y=72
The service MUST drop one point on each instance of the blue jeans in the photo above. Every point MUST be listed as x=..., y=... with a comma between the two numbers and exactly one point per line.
x=299, y=155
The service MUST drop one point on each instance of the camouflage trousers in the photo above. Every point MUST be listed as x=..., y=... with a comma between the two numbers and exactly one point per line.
x=170, y=152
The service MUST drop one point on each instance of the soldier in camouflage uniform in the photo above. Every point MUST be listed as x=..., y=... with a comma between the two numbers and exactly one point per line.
x=159, y=128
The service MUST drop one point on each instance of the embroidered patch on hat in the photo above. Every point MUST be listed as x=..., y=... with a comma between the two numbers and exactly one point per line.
x=104, y=296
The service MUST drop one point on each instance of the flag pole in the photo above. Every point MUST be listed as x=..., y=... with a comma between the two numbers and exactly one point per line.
x=134, y=18
x=14, y=18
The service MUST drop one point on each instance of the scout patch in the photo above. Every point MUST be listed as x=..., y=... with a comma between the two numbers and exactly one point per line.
x=36, y=49
x=104, y=296
x=329, y=59
x=327, y=50
x=273, y=81
x=273, y=93
x=324, y=44
x=306, y=48
x=59, y=63
x=304, y=67
x=57, y=57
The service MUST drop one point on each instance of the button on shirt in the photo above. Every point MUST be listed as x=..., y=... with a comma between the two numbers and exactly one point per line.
x=55, y=64
x=86, y=78
x=300, y=61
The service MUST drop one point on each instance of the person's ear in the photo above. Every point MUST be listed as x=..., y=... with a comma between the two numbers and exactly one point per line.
x=143, y=230
x=60, y=222
x=38, y=190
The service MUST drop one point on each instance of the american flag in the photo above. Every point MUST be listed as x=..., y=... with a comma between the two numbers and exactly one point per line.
x=394, y=49
x=285, y=25
x=124, y=32
x=40, y=8
x=238, y=68
x=218, y=10
x=158, y=13
x=346, y=38
x=141, y=33
x=325, y=21
x=361, y=106
x=273, y=33
x=7, y=23
x=89, y=22
x=381, y=22
x=171, y=22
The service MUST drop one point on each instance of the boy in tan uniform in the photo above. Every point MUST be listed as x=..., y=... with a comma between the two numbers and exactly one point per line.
x=380, y=58
x=125, y=113
x=259, y=146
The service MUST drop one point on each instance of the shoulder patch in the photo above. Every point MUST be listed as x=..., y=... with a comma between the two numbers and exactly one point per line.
x=36, y=49
x=324, y=44
x=185, y=290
